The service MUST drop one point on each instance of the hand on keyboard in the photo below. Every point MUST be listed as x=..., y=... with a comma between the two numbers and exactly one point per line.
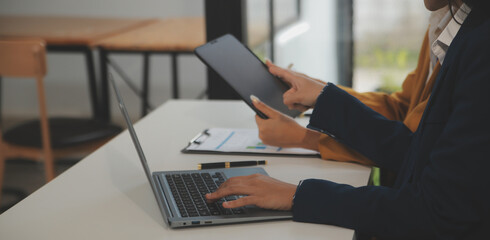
x=189, y=190
x=260, y=190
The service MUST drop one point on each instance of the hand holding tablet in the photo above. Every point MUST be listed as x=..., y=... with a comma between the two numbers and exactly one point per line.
x=245, y=73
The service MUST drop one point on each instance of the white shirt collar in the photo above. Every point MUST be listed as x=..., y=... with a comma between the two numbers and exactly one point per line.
x=443, y=41
x=436, y=23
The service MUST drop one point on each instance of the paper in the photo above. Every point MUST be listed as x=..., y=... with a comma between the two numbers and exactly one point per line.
x=239, y=141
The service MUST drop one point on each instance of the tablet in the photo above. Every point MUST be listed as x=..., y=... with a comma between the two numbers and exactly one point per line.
x=244, y=72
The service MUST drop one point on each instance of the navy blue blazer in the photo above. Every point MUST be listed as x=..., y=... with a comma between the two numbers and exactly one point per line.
x=443, y=186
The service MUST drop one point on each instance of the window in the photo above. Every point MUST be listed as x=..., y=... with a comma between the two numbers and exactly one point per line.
x=387, y=39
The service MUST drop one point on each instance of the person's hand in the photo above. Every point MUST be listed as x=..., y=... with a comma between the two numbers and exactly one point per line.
x=281, y=130
x=260, y=190
x=304, y=90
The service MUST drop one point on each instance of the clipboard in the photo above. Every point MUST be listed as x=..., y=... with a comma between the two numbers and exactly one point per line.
x=239, y=141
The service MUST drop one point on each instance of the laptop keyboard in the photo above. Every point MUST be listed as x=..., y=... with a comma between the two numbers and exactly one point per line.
x=189, y=190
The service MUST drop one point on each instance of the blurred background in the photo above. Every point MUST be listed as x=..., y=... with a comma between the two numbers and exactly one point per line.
x=369, y=45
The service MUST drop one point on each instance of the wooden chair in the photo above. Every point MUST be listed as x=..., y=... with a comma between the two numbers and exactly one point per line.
x=43, y=139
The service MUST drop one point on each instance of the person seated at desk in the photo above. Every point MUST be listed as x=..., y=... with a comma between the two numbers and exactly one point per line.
x=406, y=106
x=441, y=190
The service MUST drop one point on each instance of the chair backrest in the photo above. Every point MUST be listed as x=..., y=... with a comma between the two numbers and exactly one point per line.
x=27, y=58
x=22, y=58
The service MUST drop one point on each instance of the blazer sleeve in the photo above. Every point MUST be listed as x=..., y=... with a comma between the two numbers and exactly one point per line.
x=340, y=116
x=449, y=199
x=392, y=106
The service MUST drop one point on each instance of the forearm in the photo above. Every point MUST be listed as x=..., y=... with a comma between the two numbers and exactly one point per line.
x=310, y=140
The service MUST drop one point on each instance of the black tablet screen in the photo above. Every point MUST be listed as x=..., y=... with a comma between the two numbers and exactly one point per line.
x=244, y=72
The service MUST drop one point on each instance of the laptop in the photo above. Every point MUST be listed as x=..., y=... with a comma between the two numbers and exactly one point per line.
x=245, y=73
x=180, y=194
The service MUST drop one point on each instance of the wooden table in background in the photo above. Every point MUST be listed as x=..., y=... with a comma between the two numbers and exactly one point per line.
x=168, y=36
x=70, y=34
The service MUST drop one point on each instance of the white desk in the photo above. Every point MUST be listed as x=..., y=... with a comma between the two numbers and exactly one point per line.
x=106, y=195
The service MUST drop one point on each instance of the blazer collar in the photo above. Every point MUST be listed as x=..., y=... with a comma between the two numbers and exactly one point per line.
x=474, y=19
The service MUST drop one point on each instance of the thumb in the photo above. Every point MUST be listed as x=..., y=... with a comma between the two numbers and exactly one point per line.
x=264, y=108
x=282, y=73
x=269, y=63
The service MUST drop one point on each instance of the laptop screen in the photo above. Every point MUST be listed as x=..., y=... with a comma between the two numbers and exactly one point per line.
x=134, y=138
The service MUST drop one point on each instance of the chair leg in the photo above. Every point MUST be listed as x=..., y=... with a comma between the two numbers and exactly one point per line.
x=2, y=168
x=175, y=77
x=46, y=139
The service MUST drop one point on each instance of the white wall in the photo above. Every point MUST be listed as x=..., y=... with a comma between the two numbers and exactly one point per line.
x=66, y=82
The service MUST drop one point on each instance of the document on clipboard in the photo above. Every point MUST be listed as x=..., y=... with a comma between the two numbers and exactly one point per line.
x=239, y=141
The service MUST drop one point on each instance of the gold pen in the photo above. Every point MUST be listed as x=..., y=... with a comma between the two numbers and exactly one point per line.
x=230, y=164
